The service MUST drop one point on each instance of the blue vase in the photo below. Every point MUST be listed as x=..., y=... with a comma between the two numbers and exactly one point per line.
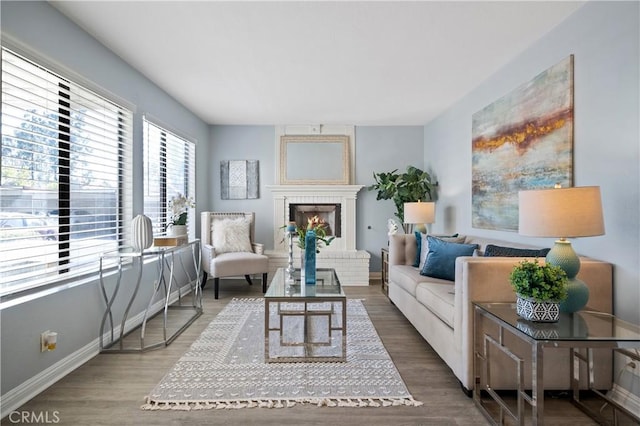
x=310, y=257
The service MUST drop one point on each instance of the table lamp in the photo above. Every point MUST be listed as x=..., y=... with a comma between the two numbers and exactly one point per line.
x=564, y=213
x=419, y=214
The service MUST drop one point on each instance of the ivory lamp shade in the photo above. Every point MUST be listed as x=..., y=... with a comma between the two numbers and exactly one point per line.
x=419, y=212
x=561, y=212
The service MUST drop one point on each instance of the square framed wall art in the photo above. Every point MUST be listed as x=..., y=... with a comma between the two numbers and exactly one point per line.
x=239, y=179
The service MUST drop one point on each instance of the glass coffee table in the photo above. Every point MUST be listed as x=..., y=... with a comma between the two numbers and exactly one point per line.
x=305, y=323
x=583, y=332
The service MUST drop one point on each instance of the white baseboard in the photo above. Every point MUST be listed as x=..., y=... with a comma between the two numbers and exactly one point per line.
x=33, y=386
x=22, y=393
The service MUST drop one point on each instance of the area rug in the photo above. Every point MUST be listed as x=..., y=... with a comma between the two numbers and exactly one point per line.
x=225, y=369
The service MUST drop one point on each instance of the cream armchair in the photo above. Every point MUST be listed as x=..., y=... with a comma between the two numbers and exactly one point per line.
x=229, y=250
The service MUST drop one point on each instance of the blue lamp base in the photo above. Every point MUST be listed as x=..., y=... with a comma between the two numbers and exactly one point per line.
x=420, y=227
x=563, y=255
x=577, y=296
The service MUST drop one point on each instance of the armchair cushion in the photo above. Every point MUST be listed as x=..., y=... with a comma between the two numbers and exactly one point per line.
x=238, y=264
x=231, y=235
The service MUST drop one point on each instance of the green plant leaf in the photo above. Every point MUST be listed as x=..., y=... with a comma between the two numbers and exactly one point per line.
x=542, y=283
x=411, y=186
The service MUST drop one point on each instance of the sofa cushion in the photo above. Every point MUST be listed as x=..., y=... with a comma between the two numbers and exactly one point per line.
x=441, y=260
x=406, y=277
x=438, y=298
x=492, y=250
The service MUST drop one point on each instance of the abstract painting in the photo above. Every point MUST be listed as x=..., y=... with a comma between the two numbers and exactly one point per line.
x=239, y=179
x=523, y=140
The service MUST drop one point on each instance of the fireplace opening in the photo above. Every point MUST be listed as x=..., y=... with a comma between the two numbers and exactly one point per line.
x=328, y=213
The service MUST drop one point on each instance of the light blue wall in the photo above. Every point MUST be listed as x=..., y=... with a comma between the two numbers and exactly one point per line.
x=604, y=39
x=377, y=149
x=245, y=143
x=381, y=149
x=76, y=313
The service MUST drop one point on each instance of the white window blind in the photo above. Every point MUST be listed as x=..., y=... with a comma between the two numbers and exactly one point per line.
x=66, y=167
x=169, y=170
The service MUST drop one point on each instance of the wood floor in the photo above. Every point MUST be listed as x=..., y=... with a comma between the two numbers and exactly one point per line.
x=109, y=389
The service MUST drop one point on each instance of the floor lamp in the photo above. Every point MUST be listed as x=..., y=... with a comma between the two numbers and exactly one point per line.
x=565, y=213
x=419, y=214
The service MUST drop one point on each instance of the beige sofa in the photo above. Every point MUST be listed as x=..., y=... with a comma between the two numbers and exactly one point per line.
x=442, y=310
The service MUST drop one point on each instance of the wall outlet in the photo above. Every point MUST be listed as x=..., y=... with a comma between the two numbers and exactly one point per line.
x=43, y=341
x=48, y=341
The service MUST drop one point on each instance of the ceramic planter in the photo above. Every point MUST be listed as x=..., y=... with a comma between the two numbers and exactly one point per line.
x=177, y=231
x=532, y=310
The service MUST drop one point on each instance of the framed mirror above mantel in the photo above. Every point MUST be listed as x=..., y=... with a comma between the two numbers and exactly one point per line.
x=314, y=155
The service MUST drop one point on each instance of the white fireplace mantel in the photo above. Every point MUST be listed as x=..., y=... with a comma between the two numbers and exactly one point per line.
x=345, y=195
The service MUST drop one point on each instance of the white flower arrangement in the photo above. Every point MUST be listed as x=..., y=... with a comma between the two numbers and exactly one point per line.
x=179, y=206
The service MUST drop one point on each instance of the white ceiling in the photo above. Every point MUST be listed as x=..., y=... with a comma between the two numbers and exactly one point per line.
x=361, y=63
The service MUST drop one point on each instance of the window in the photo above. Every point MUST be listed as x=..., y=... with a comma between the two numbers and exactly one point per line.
x=169, y=170
x=66, y=165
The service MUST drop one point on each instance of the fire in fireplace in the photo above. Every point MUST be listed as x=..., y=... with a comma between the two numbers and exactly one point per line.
x=328, y=213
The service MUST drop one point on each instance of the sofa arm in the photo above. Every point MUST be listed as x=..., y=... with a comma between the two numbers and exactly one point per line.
x=479, y=279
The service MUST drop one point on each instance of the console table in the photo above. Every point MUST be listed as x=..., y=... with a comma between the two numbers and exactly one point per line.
x=582, y=332
x=165, y=281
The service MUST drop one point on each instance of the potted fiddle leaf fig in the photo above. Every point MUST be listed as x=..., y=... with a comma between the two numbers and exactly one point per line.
x=539, y=290
x=412, y=186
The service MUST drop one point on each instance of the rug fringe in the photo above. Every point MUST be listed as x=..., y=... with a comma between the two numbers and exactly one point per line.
x=151, y=405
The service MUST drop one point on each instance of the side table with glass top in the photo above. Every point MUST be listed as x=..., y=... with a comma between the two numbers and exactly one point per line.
x=164, y=284
x=596, y=330
x=305, y=323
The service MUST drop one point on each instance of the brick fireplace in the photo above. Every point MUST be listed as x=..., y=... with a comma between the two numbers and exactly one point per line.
x=336, y=204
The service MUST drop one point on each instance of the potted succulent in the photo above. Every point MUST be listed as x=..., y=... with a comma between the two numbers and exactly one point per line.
x=411, y=186
x=539, y=289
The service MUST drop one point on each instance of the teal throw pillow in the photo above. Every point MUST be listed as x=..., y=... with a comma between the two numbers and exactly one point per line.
x=441, y=259
x=418, y=235
x=424, y=245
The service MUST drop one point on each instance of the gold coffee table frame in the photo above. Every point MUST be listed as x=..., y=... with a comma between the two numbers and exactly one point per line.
x=291, y=299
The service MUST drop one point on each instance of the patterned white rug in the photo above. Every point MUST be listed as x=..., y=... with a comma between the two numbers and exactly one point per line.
x=225, y=368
